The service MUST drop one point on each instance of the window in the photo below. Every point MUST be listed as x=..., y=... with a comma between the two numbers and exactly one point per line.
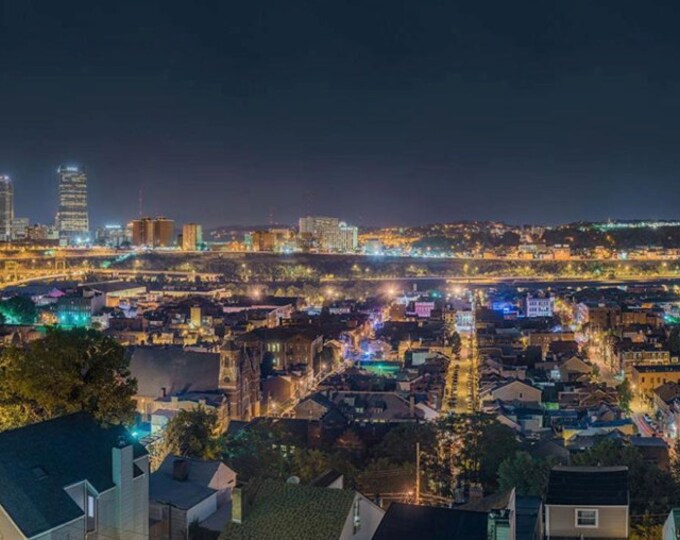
x=91, y=513
x=586, y=517
x=356, y=516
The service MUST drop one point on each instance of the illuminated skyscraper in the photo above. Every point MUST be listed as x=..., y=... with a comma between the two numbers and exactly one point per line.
x=72, y=220
x=329, y=234
x=192, y=236
x=6, y=208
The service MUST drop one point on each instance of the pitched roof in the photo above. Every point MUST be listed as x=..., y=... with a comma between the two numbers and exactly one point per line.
x=667, y=392
x=596, y=486
x=282, y=511
x=527, y=515
x=175, y=369
x=406, y=521
x=201, y=471
x=38, y=461
x=188, y=493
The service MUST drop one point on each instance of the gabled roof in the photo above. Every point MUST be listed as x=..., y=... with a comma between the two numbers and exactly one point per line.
x=38, y=461
x=591, y=486
x=282, y=511
x=408, y=521
x=185, y=494
x=667, y=392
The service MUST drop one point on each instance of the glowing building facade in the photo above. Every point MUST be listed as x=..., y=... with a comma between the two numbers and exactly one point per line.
x=73, y=220
x=6, y=208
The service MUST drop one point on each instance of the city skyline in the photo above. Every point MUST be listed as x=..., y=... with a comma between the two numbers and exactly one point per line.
x=384, y=116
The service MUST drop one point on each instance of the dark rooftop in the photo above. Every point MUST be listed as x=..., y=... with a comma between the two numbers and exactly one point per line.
x=175, y=369
x=667, y=368
x=39, y=460
x=597, y=486
x=408, y=521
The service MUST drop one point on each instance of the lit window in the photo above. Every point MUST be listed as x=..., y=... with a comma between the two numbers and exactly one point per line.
x=91, y=513
x=356, y=516
x=586, y=517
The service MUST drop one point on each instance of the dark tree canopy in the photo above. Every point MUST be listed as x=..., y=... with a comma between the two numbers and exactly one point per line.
x=18, y=310
x=527, y=475
x=67, y=371
x=652, y=490
x=193, y=433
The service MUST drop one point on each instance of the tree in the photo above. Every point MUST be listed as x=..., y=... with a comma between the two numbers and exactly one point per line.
x=476, y=445
x=65, y=372
x=652, y=490
x=18, y=310
x=527, y=475
x=255, y=452
x=193, y=433
x=674, y=341
x=267, y=365
x=399, y=445
x=625, y=393
x=647, y=529
x=675, y=461
x=383, y=476
x=456, y=343
x=309, y=464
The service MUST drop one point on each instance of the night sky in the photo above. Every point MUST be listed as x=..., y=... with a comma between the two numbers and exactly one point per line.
x=379, y=112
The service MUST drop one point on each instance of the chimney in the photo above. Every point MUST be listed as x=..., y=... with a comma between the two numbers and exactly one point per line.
x=180, y=470
x=163, y=391
x=476, y=492
x=122, y=476
x=238, y=505
x=412, y=405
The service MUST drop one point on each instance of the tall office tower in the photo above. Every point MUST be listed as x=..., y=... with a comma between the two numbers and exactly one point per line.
x=72, y=220
x=6, y=208
x=192, y=236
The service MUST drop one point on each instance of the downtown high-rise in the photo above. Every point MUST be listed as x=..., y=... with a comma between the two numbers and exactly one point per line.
x=6, y=208
x=72, y=219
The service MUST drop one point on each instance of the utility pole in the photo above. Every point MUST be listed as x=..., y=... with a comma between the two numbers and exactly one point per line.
x=417, y=473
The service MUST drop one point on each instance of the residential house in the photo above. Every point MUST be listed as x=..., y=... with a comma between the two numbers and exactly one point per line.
x=164, y=373
x=514, y=390
x=502, y=516
x=71, y=478
x=186, y=490
x=587, y=502
x=405, y=521
x=275, y=510
x=671, y=527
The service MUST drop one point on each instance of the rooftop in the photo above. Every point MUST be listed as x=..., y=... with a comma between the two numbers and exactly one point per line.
x=282, y=511
x=407, y=521
x=668, y=368
x=39, y=460
x=597, y=486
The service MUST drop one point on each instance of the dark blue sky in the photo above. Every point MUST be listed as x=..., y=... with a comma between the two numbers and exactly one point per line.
x=381, y=112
